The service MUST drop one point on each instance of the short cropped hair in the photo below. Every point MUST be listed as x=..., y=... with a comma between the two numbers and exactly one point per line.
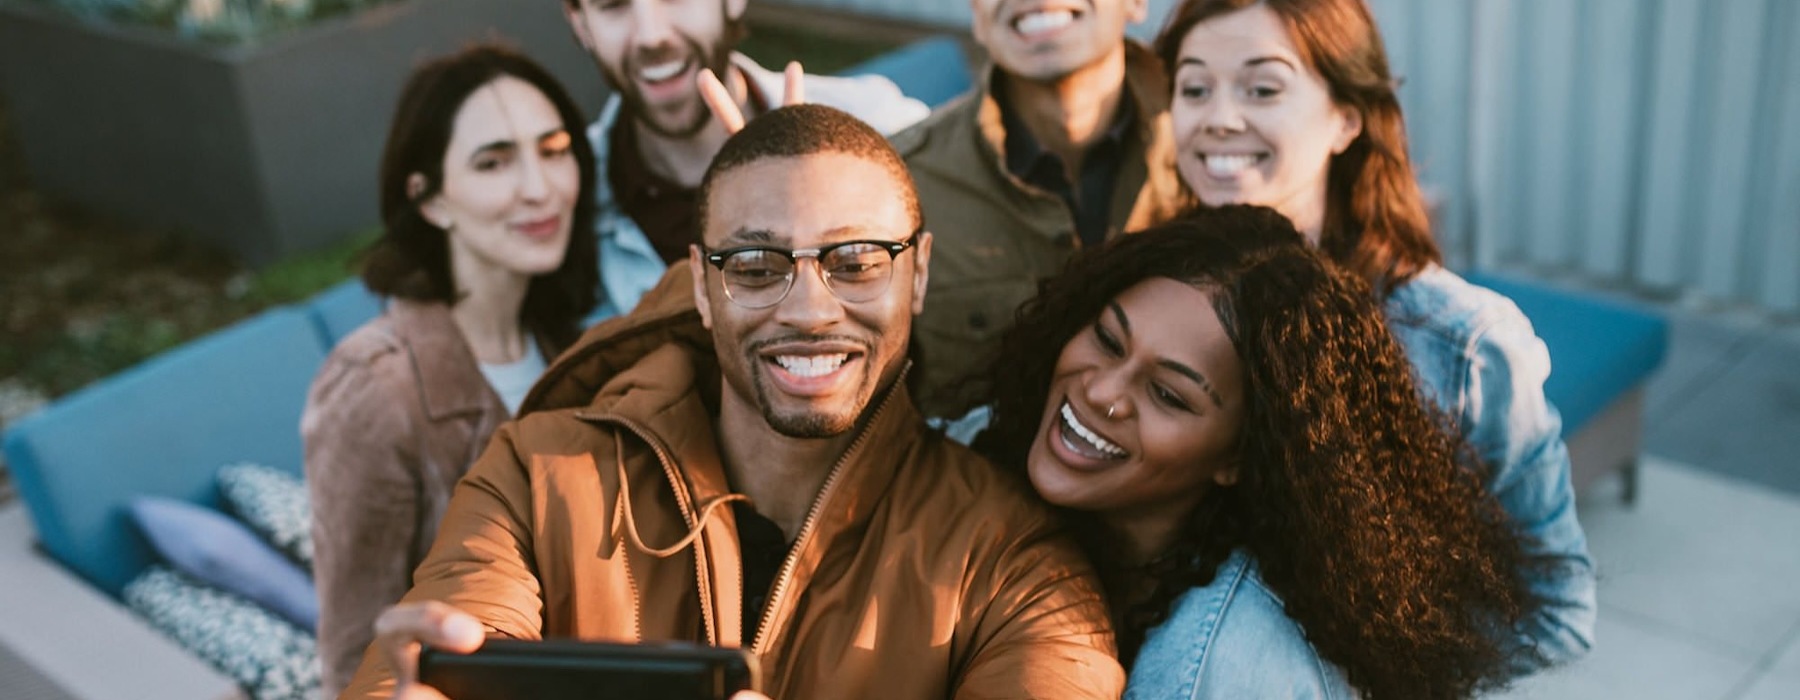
x=804, y=130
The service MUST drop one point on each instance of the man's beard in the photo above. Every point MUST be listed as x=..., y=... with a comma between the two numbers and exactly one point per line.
x=810, y=425
x=718, y=59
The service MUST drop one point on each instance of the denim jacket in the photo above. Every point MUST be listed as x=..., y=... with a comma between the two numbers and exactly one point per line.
x=1232, y=639
x=629, y=265
x=1476, y=356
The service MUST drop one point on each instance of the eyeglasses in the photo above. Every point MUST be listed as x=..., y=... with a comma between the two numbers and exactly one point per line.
x=758, y=277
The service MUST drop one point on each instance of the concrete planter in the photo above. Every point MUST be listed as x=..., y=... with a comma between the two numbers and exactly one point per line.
x=264, y=148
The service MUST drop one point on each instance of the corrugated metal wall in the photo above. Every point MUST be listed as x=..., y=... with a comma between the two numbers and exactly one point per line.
x=1654, y=143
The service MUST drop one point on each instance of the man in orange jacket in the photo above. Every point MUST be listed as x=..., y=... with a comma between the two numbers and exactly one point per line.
x=745, y=466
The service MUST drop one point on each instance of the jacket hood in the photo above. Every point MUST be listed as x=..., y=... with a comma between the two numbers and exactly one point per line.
x=665, y=315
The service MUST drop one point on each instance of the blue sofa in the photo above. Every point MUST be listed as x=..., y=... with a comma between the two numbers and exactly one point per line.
x=164, y=428
x=1601, y=355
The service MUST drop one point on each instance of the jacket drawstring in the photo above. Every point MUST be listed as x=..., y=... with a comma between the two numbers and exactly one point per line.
x=622, y=511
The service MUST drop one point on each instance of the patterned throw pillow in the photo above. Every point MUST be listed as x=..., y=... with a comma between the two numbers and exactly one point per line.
x=274, y=504
x=270, y=658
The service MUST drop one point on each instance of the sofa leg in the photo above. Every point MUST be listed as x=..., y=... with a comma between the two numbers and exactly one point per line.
x=1630, y=492
x=1611, y=440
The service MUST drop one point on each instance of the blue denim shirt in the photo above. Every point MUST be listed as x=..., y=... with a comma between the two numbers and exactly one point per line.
x=1232, y=639
x=1477, y=358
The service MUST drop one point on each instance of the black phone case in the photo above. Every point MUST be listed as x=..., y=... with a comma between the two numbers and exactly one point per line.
x=506, y=669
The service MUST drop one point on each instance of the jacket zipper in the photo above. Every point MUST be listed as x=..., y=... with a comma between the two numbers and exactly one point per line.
x=687, y=516
x=637, y=598
x=759, y=643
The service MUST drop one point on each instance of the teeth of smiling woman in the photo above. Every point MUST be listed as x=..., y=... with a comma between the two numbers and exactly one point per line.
x=1089, y=436
x=662, y=71
x=811, y=365
x=1034, y=22
x=1227, y=166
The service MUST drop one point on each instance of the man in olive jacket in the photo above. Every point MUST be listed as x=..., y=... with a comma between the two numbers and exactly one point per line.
x=741, y=464
x=1065, y=143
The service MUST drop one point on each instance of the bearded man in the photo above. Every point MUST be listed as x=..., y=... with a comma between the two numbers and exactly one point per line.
x=655, y=136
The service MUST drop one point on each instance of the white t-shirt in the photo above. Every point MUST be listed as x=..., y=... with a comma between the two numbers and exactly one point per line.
x=514, y=379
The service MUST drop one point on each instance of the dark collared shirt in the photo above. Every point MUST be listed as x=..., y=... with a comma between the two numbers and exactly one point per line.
x=1088, y=199
x=763, y=547
x=664, y=209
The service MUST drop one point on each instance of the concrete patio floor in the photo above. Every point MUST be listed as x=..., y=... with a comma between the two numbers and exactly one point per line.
x=1698, y=594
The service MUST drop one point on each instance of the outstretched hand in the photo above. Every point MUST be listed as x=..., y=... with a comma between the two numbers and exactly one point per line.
x=401, y=630
x=718, y=98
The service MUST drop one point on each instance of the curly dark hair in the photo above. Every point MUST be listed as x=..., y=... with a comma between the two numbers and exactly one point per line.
x=411, y=260
x=1365, y=512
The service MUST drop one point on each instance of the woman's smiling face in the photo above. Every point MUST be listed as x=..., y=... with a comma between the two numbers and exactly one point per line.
x=1255, y=122
x=1144, y=409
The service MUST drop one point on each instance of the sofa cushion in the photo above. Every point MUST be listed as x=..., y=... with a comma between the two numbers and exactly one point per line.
x=161, y=428
x=219, y=551
x=1599, y=349
x=342, y=309
x=270, y=658
x=274, y=504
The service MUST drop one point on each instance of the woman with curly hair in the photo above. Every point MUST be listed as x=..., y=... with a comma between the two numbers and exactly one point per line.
x=1290, y=104
x=1238, y=439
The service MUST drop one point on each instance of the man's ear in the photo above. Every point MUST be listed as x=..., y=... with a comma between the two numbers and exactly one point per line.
x=1353, y=126
x=577, y=17
x=734, y=9
x=1136, y=11
x=702, y=302
x=979, y=19
x=921, y=271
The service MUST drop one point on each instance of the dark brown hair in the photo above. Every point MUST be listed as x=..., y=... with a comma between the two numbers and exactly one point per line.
x=1365, y=512
x=411, y=260
x=806, y=129
x=1375, y=218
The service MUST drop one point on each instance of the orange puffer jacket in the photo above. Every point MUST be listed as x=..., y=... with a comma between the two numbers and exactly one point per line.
x=921, y=571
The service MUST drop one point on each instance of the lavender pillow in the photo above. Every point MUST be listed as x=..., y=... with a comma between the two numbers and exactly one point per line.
x=217, y=550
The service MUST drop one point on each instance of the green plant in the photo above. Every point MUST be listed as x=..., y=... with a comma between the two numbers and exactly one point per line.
x=304, y=275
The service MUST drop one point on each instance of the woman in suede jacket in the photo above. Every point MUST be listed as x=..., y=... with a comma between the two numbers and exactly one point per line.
x=486, y=191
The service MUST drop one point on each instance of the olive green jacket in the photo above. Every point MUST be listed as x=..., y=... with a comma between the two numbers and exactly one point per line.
x=995, y=237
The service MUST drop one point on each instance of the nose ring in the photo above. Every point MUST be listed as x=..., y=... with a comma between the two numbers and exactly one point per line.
x=1109, y=410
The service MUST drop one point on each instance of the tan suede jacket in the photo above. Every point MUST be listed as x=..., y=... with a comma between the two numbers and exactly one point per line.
x=921, y=572
x=396, y=415
x=995, y=237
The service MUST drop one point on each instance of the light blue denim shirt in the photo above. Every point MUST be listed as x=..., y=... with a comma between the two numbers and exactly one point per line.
x=1476, y=356
x=1232, y=639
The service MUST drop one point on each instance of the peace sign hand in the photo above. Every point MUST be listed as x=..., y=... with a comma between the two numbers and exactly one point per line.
x=718, y=98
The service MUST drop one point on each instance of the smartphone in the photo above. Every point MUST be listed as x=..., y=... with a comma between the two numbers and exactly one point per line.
x=504, y=669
